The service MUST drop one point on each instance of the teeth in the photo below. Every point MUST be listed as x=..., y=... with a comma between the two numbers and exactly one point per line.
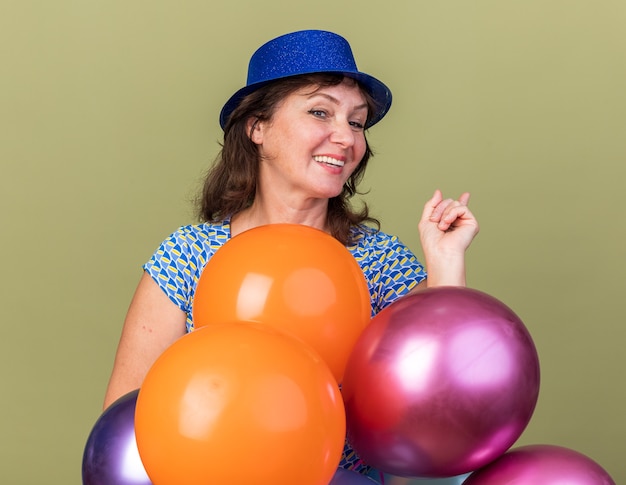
x=328, y=160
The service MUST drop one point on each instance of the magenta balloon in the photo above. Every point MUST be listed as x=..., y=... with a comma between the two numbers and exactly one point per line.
x=440, y=383
x=544, y=464
x=111, y=456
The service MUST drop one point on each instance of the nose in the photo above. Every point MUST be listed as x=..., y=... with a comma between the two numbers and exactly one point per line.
x=342, y=134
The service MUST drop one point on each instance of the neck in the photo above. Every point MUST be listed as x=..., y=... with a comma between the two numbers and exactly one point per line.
x=312, y=213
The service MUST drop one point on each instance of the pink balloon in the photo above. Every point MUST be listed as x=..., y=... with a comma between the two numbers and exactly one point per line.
x=440, y=383
x=544, y=464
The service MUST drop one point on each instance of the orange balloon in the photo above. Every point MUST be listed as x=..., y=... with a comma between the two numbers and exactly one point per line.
x=294, y=278
x=239, y=404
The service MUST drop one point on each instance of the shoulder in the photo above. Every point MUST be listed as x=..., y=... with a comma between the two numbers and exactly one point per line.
x=374, y=249
x=368, y=239
x=211, y=234
x=194, y=242
x=390, y=268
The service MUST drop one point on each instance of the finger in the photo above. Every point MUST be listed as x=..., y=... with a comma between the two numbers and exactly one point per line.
x=431, y=205
x=464, y=198
x=454, y=212
x=441, y=209
x=442, y=213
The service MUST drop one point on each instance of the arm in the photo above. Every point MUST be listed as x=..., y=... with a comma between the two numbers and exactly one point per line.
x=152, y=324
x=447, y=228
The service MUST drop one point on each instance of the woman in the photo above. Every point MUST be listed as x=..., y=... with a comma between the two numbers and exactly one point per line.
x=294, y=150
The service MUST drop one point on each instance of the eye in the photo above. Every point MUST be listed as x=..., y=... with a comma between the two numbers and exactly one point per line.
x=318, y=113
x=357, y=124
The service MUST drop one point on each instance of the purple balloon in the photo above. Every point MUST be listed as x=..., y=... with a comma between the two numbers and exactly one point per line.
x=440, y=383
x=348, y=477
x=111, y=456
x=544, y=464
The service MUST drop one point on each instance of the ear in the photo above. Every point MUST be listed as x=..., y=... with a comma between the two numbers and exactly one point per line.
x=254, y=128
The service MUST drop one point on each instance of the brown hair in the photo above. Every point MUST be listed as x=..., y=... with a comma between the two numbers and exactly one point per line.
x=230, y=184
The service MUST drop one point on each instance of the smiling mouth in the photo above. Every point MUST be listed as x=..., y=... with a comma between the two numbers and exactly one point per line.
x=333, y=162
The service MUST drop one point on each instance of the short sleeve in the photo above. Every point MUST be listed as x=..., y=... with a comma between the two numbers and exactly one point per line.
x=390, y=268
x=178, y=262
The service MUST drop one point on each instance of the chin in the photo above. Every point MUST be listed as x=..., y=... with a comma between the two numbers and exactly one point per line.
x=332, y=195
x=330, y=192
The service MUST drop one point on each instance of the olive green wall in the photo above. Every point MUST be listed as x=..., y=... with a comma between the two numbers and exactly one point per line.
x=108, y=116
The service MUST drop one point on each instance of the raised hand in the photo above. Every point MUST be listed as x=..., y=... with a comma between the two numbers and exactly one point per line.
x=447, y=228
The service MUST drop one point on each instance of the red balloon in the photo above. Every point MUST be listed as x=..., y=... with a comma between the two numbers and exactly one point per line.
x=541, y=464
x=239, y=404
x=293, y=278
x=442, y=382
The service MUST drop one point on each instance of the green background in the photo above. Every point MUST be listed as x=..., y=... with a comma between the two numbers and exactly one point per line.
x=108, y=118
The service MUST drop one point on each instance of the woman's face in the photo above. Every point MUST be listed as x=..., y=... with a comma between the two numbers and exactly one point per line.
x=313, y=142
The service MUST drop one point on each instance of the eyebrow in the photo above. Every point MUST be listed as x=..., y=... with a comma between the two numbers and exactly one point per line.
x=334, y=100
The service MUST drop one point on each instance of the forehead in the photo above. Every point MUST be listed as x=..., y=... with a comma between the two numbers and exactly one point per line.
x=347, y=92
